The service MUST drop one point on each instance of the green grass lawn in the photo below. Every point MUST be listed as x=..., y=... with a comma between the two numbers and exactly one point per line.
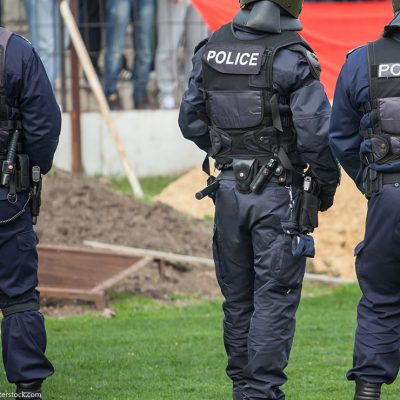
x=152, y=351
x=151, y=186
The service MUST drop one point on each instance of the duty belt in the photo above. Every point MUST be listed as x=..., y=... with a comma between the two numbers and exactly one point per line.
x=391, y=177
x=375, y=180
x=295, y=180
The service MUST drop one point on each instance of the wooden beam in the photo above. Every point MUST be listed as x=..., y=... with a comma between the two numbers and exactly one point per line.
x=160, y=255
x=200, y=261
x=76, y=105
x=143, y=263
x=74, y=294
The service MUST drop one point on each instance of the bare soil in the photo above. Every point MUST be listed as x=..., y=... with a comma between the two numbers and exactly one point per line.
x=75, y=209
x=170, y=282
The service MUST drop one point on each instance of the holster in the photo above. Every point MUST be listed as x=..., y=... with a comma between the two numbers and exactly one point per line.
x=373, y=182
x=309, y=212
x=22, y=176
x=244, y=171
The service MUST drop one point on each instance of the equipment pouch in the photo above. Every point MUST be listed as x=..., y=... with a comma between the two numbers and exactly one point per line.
x=245, y=171
x=389, y=115
x=373, y=182
x=380, y=147
x=303, y=246
x=309, y=212
x=23, y=179
x=4, y=135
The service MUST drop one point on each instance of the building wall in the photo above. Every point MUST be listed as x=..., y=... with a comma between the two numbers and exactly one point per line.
x=152, y=140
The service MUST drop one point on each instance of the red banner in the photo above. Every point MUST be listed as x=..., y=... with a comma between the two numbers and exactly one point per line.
x=332, y=29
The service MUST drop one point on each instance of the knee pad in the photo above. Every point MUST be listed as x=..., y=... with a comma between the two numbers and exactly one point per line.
x=27, y=302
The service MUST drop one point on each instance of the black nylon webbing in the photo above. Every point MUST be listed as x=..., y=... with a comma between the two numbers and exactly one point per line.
x=18, y=308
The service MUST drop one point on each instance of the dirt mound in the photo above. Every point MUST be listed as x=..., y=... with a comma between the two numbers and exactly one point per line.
x=341, y=228
x=180, y=195
x=75, y=209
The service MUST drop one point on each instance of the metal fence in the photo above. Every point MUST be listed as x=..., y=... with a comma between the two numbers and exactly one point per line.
x=141, y=49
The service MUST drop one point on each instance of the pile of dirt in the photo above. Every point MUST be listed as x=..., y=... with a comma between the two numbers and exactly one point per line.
x=171, y=282
x=75, y=209
x=341, y=228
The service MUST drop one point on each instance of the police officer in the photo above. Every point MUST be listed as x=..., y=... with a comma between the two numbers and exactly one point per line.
x=364, y=135
x=256, y=105
x=30, y=124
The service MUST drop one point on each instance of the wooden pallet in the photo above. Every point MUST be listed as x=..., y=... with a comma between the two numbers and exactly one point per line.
x=84, y=274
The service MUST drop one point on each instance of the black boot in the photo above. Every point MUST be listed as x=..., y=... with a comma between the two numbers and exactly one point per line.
x=29, y=388
x=367, y=391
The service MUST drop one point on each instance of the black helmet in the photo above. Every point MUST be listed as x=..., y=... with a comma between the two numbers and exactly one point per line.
x=293, y=7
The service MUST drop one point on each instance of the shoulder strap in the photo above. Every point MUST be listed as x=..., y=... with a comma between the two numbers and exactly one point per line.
x=277, y=42
x=5, y=36
x=311, y=58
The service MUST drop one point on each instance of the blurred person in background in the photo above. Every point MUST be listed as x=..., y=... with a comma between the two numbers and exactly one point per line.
x=30, y=124
x=44, y=30
x=177, y=20
x=91, y=19
x=256, y=105
x=364, y=136
x=118, y=16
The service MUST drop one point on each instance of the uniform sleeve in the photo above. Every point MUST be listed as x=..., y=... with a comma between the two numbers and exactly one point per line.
x=193, y=119
x=311, y=116
x=40, y=114
x=344, y=136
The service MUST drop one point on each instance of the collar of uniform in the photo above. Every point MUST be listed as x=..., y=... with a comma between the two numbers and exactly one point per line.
x=393, y=26
x=267, y=17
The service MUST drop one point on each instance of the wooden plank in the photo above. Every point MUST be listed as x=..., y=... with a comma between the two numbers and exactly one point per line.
x=159, y=255
x=145, y=262
x=79, y=268
x=73, y=294
x=178, y=258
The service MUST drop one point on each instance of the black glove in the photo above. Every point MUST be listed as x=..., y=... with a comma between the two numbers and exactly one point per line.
x=326, y=202
x=326, y=196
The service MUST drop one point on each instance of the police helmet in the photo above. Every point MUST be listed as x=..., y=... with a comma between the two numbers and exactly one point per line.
x=293, y=7
x=396, y=5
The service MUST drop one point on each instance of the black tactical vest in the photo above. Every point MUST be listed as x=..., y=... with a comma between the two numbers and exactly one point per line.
x=249, y=119
x=6, y=125
x=383, y=137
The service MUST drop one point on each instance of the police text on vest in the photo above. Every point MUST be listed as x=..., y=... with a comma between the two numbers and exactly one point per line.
x=233, y=58
x=389, y=70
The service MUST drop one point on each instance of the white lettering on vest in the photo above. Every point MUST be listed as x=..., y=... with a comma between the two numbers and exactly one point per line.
x=254, y=59
x=233, y=58
x=391, y=70
x=221, y=57
x=211, y=54
x=395, y=69
x=229, y=61
x=242, y=59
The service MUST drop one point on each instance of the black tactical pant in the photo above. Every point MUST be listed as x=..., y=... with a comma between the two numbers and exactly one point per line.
x=377, y=340
x=261, y=282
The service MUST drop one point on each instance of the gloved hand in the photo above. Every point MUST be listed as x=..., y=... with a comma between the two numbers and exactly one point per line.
x=326, y=202
x=326, y=197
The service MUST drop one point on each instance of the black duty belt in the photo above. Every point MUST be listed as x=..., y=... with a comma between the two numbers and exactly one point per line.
x=296, y=180
x=391, y=177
